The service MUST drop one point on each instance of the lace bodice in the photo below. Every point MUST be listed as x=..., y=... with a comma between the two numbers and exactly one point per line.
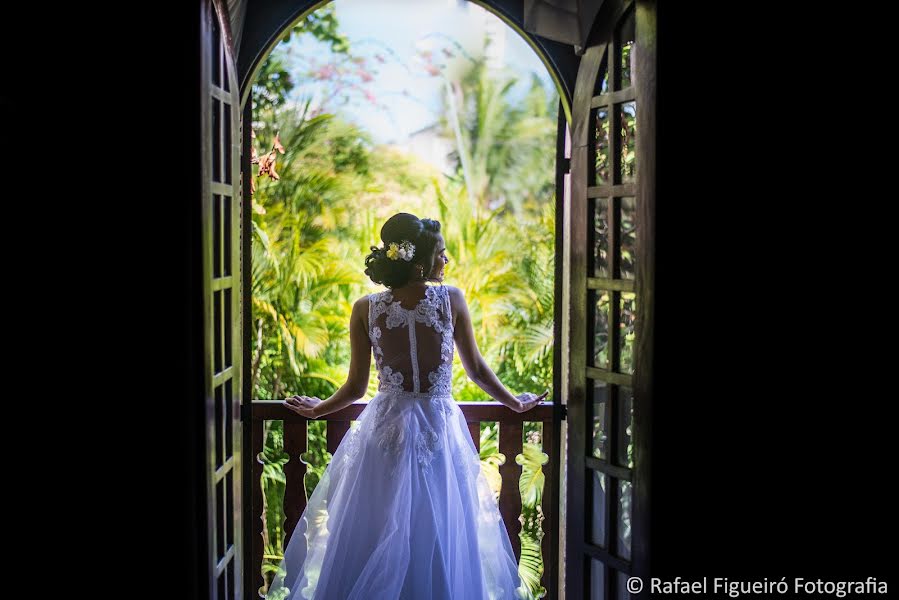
x=413, y=348
x=407, y=472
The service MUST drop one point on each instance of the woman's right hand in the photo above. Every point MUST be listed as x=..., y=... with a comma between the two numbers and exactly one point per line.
x=528, y=400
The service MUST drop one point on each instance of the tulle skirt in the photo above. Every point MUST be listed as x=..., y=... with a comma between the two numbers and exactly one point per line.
x=403, y=512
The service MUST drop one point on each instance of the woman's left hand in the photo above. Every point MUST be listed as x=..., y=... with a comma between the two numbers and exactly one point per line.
x=303, y=405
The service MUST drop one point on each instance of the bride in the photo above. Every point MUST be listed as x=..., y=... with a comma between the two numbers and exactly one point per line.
x=403, y=511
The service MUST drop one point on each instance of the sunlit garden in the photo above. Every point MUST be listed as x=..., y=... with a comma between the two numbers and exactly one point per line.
x=454, y=120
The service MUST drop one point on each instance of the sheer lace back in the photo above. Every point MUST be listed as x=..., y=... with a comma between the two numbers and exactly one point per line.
x=405, y=487
x=413, y=348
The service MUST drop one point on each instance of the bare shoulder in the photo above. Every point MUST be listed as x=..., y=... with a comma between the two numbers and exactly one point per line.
x=454, y=292
x=360, y=308
x=457, y=301
x=456, y=296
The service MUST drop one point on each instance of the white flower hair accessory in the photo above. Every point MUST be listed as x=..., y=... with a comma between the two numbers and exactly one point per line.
x=404, y=250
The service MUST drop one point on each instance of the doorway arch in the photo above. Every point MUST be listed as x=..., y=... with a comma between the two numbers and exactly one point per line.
x=561, y=64
x=263, y=31
x=580, y=97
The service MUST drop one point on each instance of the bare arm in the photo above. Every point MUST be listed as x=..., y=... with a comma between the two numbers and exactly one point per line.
x=357, y=379
x=475, y=366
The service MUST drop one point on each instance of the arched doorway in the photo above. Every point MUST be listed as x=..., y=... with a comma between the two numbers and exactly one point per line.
x=605, y=270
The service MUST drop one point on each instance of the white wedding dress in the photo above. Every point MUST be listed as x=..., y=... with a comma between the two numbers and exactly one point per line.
x=403, y=511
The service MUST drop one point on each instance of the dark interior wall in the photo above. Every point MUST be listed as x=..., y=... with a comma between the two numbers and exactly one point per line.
x=103, y=287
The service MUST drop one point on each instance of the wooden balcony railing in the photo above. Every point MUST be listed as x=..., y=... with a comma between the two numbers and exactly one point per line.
x=511, y=426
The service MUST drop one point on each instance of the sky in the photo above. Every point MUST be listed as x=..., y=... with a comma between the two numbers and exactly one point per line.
x=406, y=97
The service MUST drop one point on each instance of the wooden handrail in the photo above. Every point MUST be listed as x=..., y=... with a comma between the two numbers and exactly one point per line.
x=475, y=412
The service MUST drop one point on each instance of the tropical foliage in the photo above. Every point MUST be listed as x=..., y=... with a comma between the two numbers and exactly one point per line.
x=314, y=223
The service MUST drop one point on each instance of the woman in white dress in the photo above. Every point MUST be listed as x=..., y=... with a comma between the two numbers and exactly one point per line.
x=403, y=511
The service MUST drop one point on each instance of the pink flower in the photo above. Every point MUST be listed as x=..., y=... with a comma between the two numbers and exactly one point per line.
x=325, y=72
